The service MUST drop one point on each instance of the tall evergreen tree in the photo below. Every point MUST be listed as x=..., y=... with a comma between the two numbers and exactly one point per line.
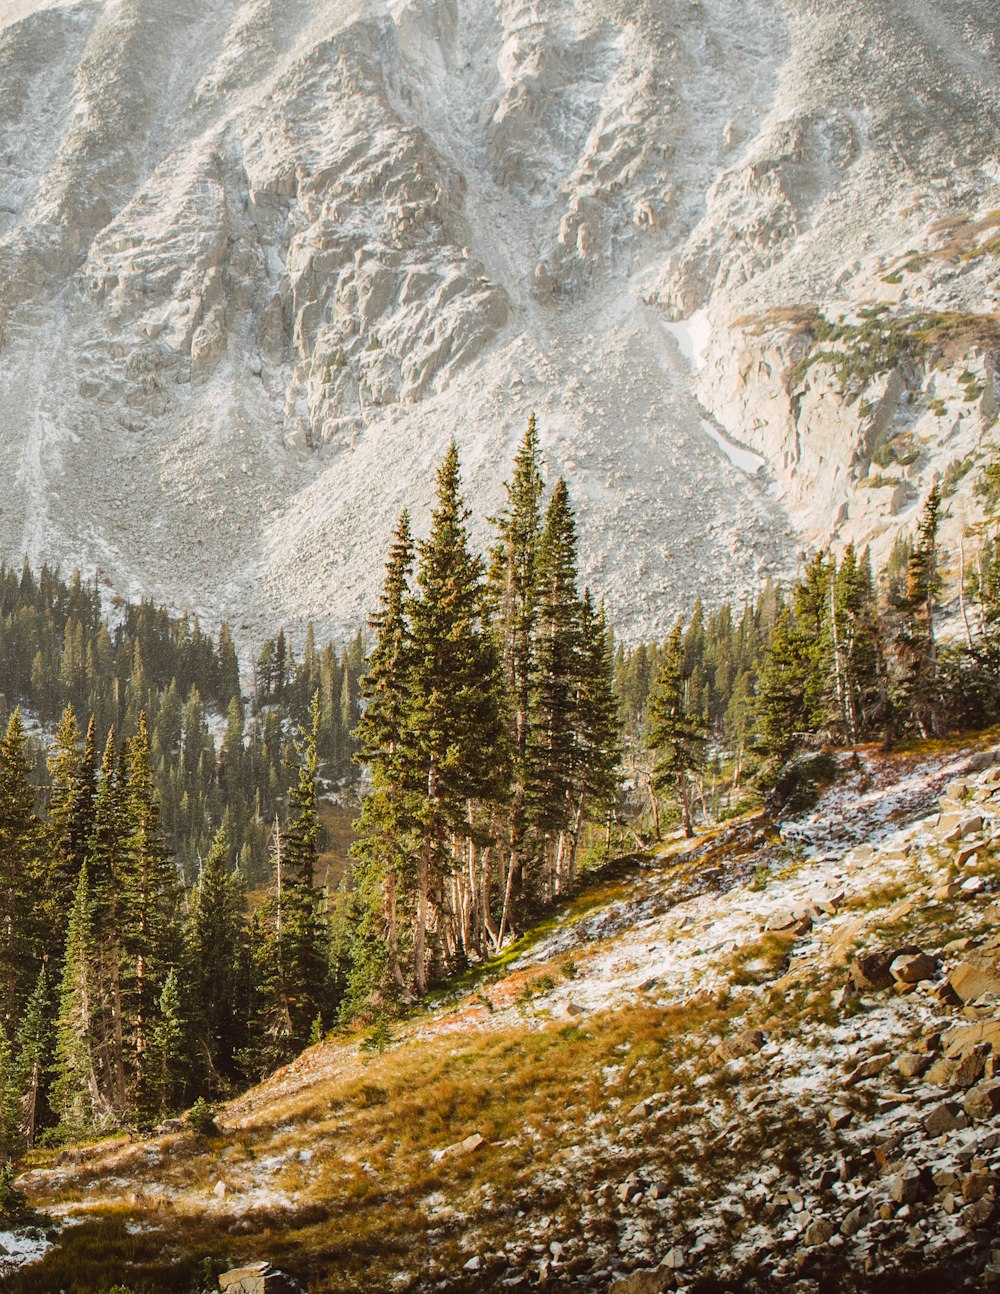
x=455, y=707
x=514, y=592
x=384, y=829
x=554, y=740
x=674, y=732
x=215, y=953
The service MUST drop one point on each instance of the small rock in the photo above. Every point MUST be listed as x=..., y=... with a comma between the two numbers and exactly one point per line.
x=911, y=1064
x=904, y=1188
x=870, y=1068
x=745, y=1043
x=464, y=1147
x=943, y=1118
x=970, y=981
x=839, y=1116
x=819, y=1232
x=853, y=1223
x=474, y=1264
x=983, y=1100
x=914, y=968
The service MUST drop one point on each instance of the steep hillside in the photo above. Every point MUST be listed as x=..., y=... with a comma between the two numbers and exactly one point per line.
x=259, y=261
x=765, y=1060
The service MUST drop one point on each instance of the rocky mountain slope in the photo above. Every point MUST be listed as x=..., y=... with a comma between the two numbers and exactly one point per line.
x=763, y=1061
x=259, y=261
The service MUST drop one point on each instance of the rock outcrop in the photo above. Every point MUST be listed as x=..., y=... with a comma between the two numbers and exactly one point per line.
x=259, y=263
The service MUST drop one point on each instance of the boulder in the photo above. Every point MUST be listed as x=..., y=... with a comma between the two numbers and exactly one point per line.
x=963, y=1038
x=971, y=1068
x=648, y=1280
x=870, y=1068
x=819, y=1232
x=855, y=1221
x=940, y=1073
x=745, y=1043
x=870, y=972
x=944, y=1118
x=913, y=967
x=258, y=1278
x=904, y=1187
x=912, y=1064
x=983, y=1100
x=981, y=1214
x=970, y=981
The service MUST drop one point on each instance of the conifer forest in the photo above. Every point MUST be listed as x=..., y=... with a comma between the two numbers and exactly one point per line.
x=166, y=937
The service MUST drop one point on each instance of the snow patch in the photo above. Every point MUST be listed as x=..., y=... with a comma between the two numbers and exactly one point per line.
x=692, y=336
x=745, y=459
x=19, y=1249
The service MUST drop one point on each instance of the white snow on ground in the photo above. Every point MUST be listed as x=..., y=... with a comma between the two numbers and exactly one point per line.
x=684, y=951
x=745, y=459
x=693, y=337
x=18, y=1249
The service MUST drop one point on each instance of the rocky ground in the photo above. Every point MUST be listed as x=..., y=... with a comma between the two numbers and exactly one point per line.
x=768, y=1061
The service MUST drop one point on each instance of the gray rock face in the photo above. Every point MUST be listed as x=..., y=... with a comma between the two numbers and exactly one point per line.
x=260, y=262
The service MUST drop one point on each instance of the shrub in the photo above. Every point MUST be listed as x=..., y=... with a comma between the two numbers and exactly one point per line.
x=201, y=1118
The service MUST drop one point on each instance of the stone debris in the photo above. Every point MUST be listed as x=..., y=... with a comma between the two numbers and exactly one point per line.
x=258, y=1278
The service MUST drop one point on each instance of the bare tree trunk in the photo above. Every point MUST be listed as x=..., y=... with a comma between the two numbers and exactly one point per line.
x=961, y=589
x=684, y=793
x=506, y=899
x=575, y=840
x=420, y=921
x=393, y=934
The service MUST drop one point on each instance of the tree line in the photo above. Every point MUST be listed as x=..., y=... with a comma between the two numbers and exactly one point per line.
x=841, y=658
x=59, y=650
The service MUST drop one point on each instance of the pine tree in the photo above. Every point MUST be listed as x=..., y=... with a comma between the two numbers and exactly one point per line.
x=215, y=946
x=674, y=733
x=76, y=1096
x=554, y=739
x=513, y=594
x=304, y=932
x=24, y=866
x=455, y=707
x=384, y=829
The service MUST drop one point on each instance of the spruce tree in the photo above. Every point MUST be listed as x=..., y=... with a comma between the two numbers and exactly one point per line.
x=674, y=733
x=455, y=706
x=304, y=935
x=34, y=1048
x=554, y=738
x=215, y=951
x=76, y=1095
x=383, y=832
x=147, y=883
x=24, y=866
x=513, y=598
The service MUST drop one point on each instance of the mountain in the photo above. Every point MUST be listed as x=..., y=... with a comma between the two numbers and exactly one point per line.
x=260, y=261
